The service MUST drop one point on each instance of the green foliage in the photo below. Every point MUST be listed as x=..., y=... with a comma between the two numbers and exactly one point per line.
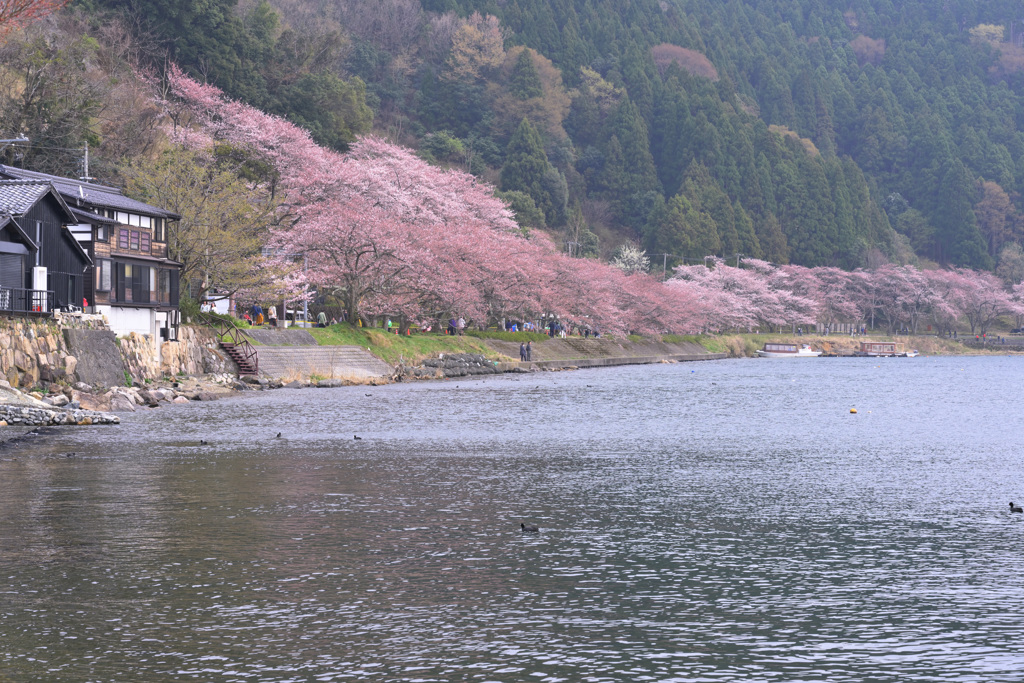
x=189, y=307
x=393, y=348
x=508, y=336
x=252, y=59
x=863, y=101
x=525, y=82
x=527, y=170
x=333, y=110
x=442, y=146
x=528, y=215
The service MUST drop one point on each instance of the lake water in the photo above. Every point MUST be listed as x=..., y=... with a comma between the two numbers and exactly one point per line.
x=719, y=521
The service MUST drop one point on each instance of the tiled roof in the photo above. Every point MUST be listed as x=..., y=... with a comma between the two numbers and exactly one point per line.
x=18, y=196
x=90, y=217
x=78, y=193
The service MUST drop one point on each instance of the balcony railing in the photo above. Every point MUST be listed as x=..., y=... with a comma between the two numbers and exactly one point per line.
x=26, y=300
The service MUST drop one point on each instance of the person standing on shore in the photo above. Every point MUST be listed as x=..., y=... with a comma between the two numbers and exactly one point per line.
x=529, y=351
x=522, y=352
x=461, y=325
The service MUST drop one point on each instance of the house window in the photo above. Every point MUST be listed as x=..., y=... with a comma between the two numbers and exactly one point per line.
x=103, y=275
x=39, y=241
x=122, y=238
x=164, y=286
x=144, y=245
x=145, y=222
x=134, y=240
x=159, y=235
x=127, y=283
x=133, y=219
x=101, y=233
x=121, y=218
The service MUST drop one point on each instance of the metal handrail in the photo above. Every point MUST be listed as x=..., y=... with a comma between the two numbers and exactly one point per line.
x=227, y=328
x=15, y=300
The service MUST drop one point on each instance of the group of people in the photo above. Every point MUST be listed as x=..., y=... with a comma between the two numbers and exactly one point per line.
x=457, y=326
x=255, y=315
x=526, y=352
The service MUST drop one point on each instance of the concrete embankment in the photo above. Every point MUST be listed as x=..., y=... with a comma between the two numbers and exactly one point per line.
x=844, y=345
x=575, y=352
x=293, y=355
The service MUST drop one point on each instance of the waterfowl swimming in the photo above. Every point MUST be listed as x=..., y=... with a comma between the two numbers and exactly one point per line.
x=1015, y=508
x=279, y=435
x=358, y=438
x=529, y=528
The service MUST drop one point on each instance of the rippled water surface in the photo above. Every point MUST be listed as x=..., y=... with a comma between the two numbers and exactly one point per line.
x=721, y=521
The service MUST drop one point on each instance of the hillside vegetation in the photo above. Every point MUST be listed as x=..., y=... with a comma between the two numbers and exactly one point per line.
x=810, y=132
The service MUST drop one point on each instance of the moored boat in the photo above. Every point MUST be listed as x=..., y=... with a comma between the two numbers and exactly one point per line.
x=773, y=350
x=884, y=350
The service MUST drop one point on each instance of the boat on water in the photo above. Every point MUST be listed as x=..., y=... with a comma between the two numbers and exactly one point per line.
x=885, y=350
x=788, y=351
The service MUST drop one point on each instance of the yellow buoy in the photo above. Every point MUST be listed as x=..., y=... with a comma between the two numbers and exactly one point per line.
x=853, y=410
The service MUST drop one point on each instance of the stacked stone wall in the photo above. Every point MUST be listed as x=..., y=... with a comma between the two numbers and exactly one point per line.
x=197, y=352
x=35, y=352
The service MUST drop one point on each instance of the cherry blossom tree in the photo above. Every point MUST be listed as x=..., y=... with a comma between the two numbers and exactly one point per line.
x=14, y=13
x=390, y=234
x=983, y=300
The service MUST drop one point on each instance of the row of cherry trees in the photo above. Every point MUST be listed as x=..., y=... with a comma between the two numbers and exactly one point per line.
x=898, y=299
x=390, y=234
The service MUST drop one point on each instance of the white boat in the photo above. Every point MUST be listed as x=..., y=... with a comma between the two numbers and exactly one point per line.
x=788, y=351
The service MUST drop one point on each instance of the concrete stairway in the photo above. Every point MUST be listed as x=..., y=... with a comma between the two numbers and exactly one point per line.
x=329, y=362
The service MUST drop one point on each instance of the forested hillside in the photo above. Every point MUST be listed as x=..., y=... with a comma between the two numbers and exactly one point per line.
x=811, y=132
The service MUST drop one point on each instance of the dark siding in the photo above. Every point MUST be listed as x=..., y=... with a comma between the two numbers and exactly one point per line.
x=64, y=264
x=175, y=287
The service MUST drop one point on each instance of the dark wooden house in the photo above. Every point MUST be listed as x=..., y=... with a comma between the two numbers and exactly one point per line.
x=43, y=267
x=131, y=280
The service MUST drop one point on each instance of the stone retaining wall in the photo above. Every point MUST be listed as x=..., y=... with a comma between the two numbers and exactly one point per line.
x=197, y=352
x=32, y=351
x=37, y=351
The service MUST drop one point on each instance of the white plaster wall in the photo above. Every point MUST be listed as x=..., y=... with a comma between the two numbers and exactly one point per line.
x=124, y=320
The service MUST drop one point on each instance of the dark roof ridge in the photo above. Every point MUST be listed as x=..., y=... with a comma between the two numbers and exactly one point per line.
x=42, y=177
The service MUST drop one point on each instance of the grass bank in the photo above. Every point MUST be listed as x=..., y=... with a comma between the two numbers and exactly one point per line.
x=504, y=346
x=393, y=348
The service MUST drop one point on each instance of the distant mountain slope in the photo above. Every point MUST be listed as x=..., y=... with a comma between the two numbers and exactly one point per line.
x=806, y=131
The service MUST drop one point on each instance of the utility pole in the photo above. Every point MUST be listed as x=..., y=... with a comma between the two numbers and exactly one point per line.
x=85, y=164
x=664, y=265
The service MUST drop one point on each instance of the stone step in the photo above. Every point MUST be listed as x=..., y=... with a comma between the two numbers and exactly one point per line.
x=330, y=362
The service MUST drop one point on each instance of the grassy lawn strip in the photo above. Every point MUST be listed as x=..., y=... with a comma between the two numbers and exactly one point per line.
x=392, y=348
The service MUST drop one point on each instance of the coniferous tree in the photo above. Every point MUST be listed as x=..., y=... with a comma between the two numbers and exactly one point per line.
x=525, y=83
x=527, y=170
